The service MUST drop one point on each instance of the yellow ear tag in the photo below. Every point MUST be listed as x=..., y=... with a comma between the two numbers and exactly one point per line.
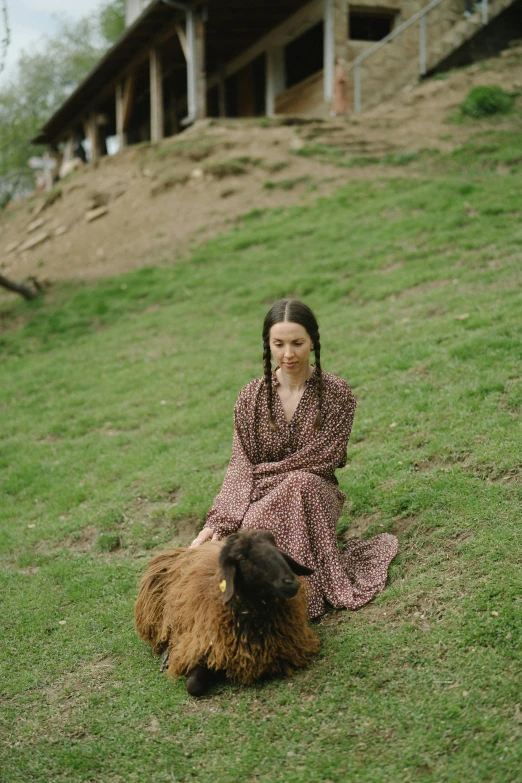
x=223, y=585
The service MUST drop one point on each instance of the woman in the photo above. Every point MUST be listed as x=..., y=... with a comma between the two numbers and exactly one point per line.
x=291, y=431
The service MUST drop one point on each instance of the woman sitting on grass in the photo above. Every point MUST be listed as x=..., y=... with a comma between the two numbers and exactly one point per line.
x=290, y=434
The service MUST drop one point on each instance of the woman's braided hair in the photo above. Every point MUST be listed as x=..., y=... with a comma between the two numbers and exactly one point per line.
x=298, y=313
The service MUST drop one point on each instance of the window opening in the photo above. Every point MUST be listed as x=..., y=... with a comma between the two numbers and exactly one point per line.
x=370, y=25
x=304, y=55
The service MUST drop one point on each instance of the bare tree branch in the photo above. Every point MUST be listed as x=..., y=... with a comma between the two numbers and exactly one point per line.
x=6, y=40
x=27, y=291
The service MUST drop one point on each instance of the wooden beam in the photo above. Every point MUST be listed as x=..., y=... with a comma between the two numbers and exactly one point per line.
x=128, y=98
x=192, y=87
x=156, y=97
x=119, y=115
x=182, y=40
x=128, y=73
x=222, y=93
x=329, y=50
x=275, y=77
x=291, y=28
x=201, y=76
x=92, y=134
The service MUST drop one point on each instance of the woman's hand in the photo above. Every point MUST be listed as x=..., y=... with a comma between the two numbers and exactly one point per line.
x=205, y=534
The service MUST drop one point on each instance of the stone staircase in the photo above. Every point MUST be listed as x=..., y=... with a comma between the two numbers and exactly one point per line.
x=396, y=63
x=464, y=30
x=348, y=140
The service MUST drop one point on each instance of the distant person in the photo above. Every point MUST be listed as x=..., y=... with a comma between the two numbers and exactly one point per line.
x=290, y=435
x=340, y=100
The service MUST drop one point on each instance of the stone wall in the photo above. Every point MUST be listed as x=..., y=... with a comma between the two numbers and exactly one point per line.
x=133, y=8
x=397, y=63
x=489, y=41
x=307, y=97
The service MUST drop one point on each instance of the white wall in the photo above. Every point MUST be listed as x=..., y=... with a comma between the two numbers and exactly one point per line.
x=133, y=10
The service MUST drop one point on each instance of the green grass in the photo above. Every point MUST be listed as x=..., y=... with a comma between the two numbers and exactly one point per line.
x=286, y=184
x=329, y=153
x=484, y=149
x=116, y=422
x=486, y=101
x=332, y=153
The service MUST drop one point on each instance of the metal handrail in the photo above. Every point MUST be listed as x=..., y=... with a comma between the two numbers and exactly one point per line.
x=420, y=17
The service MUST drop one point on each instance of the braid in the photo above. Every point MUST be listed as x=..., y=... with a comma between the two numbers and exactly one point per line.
x=292, y=311
x=267, y=364
x=318, y=382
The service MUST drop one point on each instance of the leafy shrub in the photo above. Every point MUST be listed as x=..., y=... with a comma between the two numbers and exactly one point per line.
x=484, y=101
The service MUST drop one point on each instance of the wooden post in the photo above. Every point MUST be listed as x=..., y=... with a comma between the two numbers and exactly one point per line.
x=329, y=50
x=201, y=76
x=119, y=115
x=193, y=45
x=91, y=133
x=156, y=97
x=128, y=97
x=275, y=77
x=191, y=66
x=222, y=91
x=69, y=147
x=182, y=40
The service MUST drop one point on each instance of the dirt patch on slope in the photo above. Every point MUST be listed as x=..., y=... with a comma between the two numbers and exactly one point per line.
x=152, y=204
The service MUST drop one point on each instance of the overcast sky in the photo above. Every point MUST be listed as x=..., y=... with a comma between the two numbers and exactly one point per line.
x=30, y=19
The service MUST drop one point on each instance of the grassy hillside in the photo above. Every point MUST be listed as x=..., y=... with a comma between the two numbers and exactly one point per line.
x=116, y=415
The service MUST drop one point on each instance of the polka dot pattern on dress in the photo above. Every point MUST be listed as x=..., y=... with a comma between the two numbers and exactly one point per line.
x=284, y=481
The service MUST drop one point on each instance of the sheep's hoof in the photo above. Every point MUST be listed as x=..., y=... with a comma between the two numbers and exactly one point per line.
x=197, y=681
x=164, y=660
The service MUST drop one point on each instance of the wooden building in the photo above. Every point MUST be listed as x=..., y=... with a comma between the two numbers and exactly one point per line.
x=183, y=60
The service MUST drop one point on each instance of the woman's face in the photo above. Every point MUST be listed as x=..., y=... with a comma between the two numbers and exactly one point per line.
x=290, y=345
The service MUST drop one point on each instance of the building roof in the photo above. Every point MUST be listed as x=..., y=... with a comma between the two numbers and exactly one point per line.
x=232, y=26
x=136, y=37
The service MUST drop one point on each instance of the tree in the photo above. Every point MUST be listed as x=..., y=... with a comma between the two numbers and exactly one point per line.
x=29, y=290
x=4, y=43
x=43, y=80
x=112, y=20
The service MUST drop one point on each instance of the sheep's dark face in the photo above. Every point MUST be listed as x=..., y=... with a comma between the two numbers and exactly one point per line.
x=253, y=567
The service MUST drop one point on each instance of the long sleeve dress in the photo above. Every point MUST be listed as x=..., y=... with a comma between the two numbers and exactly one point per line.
x=284, y=481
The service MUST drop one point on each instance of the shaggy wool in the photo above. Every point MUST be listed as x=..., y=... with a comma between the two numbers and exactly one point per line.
x=180, y=607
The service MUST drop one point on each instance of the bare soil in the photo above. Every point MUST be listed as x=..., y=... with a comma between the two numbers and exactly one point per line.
x=157, y=202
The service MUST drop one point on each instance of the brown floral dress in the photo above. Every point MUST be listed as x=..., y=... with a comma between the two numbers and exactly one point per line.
x=284, y=481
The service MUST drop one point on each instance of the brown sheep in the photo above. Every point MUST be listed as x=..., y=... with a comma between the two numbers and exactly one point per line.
x=233, y=607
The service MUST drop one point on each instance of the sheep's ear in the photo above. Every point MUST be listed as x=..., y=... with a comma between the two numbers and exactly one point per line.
x=228, y=572
x=297, y=568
